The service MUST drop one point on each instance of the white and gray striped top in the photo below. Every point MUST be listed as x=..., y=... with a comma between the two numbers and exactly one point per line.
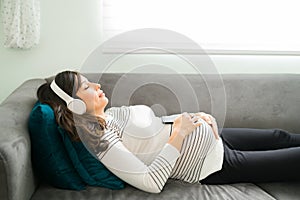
x=139, y=154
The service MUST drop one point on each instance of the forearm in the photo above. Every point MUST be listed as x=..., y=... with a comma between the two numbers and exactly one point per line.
x=176, y=139
x=130, y=169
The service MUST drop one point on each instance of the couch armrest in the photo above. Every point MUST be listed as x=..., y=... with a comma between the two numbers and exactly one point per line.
x=3, y=189
x=16, y=174
x=16, y=166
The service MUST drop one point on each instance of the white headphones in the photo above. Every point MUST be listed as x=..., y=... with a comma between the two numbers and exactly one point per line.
x=75, y=105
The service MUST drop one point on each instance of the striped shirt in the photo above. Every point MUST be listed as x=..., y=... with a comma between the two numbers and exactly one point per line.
x=139, y=154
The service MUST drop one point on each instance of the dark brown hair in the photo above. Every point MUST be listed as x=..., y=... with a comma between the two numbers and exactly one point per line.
x=86, y=128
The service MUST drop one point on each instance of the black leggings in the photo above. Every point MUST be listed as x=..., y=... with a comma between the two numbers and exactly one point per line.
x=258, y=155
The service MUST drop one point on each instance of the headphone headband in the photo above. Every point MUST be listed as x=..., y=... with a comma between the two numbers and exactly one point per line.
x=62, y=94
x=75, y=105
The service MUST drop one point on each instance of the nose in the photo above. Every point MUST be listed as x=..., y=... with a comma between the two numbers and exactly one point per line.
x=97, y=85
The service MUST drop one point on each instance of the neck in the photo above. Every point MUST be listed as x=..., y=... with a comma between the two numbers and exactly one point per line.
x=101, y=114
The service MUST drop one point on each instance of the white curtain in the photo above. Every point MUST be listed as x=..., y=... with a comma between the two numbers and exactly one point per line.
x=21, y=23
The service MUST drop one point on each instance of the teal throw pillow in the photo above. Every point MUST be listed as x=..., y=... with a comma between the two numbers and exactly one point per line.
x=49, y=156
x=92, y=171
x=60, y=161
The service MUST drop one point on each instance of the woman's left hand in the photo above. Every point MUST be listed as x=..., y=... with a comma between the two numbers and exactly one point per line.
x=210, y=120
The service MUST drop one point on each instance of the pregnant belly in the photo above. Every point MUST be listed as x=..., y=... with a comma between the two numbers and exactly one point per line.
x=198, y=143
x=193, y=152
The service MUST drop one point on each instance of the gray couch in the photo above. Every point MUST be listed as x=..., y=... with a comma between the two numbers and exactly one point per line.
x=260, y=101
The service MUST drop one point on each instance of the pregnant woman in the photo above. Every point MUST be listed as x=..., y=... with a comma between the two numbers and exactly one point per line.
x=138, y=148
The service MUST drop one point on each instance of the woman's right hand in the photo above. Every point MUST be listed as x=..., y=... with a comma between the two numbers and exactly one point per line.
x=185, y=124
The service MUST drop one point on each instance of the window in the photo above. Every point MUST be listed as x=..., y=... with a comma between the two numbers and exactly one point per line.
x=218, y=26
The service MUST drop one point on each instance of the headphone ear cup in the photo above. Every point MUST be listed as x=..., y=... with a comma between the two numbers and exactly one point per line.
x=77, y=106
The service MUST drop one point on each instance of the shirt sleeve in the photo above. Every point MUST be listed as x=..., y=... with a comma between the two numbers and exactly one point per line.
x=120, y=161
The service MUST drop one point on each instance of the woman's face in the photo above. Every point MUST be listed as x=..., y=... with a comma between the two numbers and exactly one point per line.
x=93, y=97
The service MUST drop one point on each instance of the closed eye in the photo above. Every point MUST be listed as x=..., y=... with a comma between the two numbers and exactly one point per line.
x=85, y=86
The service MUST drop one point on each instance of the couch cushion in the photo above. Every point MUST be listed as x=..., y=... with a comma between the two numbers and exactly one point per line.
x=61, y=162
x=173, y=190
x=282, y=190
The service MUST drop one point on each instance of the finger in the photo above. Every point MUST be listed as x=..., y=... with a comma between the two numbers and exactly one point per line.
x=191, y=117
x=185, y=114
x=197, y=124
x=195, y=119
x=208, y=120
x=216, y=133
x=202, y=113
x=198, y=114
x=212, y=118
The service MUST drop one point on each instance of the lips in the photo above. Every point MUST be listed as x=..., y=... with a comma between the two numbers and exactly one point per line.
x=102, y=94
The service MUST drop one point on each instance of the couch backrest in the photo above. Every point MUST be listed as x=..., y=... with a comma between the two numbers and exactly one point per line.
x=236, y=100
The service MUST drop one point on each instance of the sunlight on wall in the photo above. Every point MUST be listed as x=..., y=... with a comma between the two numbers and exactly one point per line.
x=214, y=24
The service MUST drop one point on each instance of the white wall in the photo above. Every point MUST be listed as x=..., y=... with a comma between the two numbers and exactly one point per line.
x=71, y=29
